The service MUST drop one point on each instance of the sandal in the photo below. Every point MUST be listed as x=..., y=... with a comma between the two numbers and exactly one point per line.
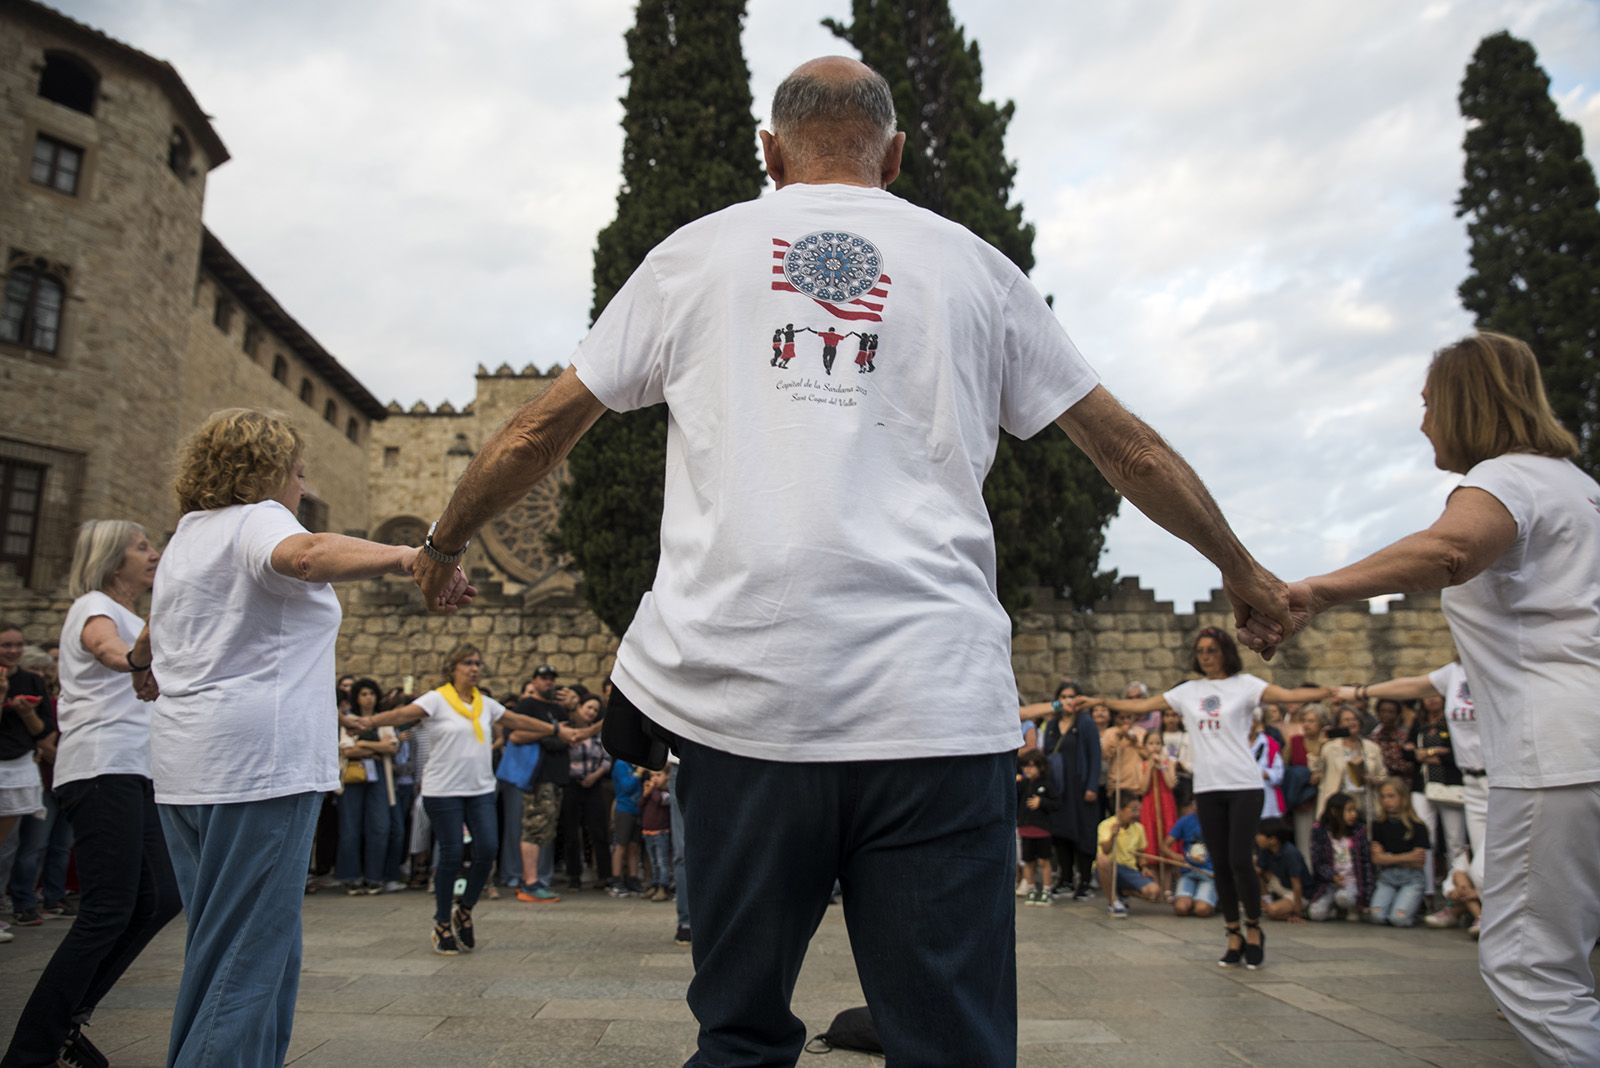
x=1255, y=953
x=1234, y=955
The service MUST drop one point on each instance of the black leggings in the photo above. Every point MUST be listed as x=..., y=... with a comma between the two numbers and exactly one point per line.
x=1071, y=861
x=1228, y=821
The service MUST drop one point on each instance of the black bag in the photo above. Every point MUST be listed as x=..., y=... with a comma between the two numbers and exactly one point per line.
x=628, y=734
x=1298, y=789
x=852, y=1029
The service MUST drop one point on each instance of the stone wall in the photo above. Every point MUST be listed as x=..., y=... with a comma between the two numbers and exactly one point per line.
x=1129, y=637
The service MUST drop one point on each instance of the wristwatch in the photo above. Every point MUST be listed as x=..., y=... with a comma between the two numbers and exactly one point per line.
x=440, y=555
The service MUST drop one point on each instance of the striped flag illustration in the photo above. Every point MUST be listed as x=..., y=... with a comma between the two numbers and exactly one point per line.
x=868, y=307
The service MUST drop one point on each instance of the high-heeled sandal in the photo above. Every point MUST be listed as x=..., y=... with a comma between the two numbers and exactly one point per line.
x=1255, y=953
x=1233, y=956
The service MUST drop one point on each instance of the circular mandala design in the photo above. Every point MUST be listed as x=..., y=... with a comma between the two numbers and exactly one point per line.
x=517, y=540
x=832, y=265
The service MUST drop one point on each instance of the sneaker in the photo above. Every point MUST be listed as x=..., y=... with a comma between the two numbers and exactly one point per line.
x=444, y=943
x=393, y=886
x=1024, y=888
x=1047, y=899
x=1082, y=893
x=78, y=1052
x=1475, y=930
x=6, y=936
x=1445, y=917
x=461, y=920
x=28, y=918
x=61, y=910
x=633, y=886
x=1060, y=893
x=539, y=895
x=372, y=888
x=354, y=889
x=682, y=937
x=1117, y=910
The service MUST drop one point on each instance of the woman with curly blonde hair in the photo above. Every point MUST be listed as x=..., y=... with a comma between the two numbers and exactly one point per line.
x=242, y=629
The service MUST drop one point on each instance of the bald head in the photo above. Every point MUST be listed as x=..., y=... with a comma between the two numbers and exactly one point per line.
x=836, y=108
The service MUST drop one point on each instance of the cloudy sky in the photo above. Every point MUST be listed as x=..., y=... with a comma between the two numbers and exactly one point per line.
x=1244, y=208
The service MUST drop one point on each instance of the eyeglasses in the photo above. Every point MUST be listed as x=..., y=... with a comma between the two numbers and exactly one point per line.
x=469, y=663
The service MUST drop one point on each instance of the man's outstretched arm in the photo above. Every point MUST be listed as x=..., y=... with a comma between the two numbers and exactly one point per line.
x=528, y=447
x=1141, y=466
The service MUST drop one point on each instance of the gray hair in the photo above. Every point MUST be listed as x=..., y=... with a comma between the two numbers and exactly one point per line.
x=101, y=546
x=853, y=118
x=1136, y=690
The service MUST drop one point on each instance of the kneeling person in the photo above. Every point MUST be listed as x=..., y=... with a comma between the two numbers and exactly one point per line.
x=1196, y=893
x=1121, y=862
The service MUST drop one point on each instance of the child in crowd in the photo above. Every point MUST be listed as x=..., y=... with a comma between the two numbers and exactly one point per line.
x=1400, y=848
x=1121, y=862
x=1158, y=809
x=1283, y=872
x=657, y=829
x=628, y=789
x=1461, y=897
x=1341, y=863
x=1196, y=893
x=1036, y=800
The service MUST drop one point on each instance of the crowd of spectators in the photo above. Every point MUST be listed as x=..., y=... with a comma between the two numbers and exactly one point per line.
x=1350, y=829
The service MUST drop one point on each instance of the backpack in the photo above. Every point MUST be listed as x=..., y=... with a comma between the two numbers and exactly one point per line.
x=853, y=1030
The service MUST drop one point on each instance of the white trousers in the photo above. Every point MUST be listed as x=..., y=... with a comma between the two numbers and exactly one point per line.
x=1475, y=792
x=1541, y=917
x=1423, y=809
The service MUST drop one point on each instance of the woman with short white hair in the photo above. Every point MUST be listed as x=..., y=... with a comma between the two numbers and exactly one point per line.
x=102, y=783
x=244, y=741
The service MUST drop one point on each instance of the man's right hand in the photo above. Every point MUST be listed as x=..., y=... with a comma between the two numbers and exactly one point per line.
x=1262, y=609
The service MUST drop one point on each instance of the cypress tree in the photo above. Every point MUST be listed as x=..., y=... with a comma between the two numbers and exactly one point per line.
x=688, y=150
x=1048, y=504
x=1529, y=197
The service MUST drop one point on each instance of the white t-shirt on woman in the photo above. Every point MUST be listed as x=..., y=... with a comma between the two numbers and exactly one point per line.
x=1466, y=741
x=459, y=764
x=1217, y=714
x=1528, y=626
x=244, y=658
x=105, y=728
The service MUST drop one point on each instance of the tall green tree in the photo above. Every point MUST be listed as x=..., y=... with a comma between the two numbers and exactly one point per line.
x=688, y=150
x=1048, y=504
x=1529, y=198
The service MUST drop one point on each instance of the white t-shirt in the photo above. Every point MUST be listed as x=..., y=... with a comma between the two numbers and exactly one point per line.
x=1528, y=626
x=827, y=580
x=1466, y=741
x=105, y=728
x=1217, y=714
x=459, y=765
x=244, y=658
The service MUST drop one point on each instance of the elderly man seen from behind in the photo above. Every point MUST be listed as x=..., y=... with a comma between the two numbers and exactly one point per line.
x=823, y=641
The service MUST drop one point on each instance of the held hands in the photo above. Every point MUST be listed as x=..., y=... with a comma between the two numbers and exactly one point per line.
x=1267, y=611
x=144, y=685
x=444, y=586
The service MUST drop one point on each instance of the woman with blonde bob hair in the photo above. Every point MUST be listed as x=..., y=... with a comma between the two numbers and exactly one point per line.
x=102, y=786
x=243, y=741
x=1517, y=554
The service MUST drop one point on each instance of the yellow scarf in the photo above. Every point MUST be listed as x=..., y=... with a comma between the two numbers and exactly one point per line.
x=475, y=713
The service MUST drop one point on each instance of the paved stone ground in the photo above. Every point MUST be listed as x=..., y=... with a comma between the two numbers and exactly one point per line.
x=597, y=982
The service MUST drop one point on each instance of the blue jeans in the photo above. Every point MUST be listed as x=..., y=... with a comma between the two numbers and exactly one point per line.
x=680, y=879
x=43, y=849
x=508, y=799
x=659, y=848
x=241, y=869
x=1397, y=896
x=925, y=851
x=399, y=823
x=363, y=833
x=448, y=814
x=129, y=894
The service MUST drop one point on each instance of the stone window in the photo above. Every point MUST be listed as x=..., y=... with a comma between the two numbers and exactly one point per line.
x=307, y=392
x=222, y=314
x=252, y=339
x=56, y=165
x=179, y=154
x=21, y=493
x=34, y=297
x=330, y=412
x=69, y=81
x=391, y=456
x=280, y=368
x=313, y=514
x=352, y=430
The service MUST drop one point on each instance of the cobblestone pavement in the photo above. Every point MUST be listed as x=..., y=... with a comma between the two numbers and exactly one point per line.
x=594, y=981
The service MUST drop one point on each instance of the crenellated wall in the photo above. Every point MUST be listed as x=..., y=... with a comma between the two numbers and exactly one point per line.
x=1128, y=637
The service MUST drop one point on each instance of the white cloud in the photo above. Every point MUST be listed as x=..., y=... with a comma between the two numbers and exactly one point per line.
x=1245, y=211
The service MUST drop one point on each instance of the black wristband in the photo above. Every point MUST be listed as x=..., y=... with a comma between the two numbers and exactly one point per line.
x=136, y=668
